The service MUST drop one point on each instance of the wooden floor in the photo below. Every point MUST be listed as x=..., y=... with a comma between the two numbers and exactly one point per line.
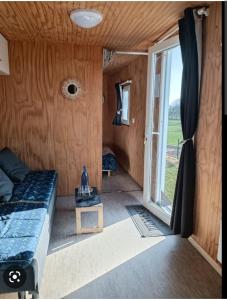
x=118, y=263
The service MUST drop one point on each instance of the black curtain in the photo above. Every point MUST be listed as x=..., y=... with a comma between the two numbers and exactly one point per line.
x=183, y=204
x=117, y=118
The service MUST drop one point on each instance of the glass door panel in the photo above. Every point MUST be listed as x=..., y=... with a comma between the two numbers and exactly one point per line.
x=163, y=132
x=170, y=127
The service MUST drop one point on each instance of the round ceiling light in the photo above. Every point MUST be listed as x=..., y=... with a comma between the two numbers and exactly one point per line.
x=86, y=18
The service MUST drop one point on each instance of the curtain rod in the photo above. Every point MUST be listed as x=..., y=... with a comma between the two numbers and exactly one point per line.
x=130, y=53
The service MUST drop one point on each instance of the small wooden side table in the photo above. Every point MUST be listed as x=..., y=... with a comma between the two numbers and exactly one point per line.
x=91, y=203
x=99, y=209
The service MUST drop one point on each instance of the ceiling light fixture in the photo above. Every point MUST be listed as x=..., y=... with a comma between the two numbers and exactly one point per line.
x=86, y=18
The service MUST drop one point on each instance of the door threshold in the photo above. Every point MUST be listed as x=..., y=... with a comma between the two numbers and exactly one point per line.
x=167, y=209
x=162, y=213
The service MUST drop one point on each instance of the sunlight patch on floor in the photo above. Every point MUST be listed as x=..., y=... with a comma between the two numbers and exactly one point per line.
x=73, y=267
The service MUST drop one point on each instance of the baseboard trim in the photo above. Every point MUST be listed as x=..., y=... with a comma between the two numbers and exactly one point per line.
x=208, y=258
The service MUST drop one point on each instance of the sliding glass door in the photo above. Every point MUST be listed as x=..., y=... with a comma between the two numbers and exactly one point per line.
x=163, y=133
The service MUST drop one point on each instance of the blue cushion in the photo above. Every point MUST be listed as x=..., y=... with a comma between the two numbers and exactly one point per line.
x=22, y=218
x=6, y=187
x=109, y=162
x=12, y=165
x=37, y=186
x=14, y=250
x=20, y=227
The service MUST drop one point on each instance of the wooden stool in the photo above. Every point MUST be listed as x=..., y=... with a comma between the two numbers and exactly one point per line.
x=99, y=228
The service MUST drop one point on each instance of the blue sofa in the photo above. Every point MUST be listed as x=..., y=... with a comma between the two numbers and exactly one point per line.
x=25, y=227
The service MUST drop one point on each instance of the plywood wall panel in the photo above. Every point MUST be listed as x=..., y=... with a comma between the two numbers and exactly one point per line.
x=208, y=139
x=47, y=130
x=108, y=114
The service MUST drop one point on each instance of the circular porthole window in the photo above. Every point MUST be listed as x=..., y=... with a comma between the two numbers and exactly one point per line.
x=70, y=89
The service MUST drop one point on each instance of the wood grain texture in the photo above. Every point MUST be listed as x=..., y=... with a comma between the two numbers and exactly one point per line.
x=126, y=25
x=95, y=208
x=128, y=141
x=107, y=112
x=118, y=62
x=37, y=122
x=208, y=139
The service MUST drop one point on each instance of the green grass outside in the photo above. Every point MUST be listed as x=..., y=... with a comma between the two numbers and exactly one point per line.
x=170, y=180
x=174, y=132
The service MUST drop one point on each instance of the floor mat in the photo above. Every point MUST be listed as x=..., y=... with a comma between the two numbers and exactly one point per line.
x=147, y=224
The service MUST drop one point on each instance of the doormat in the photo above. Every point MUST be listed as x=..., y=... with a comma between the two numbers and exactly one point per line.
x=147, y=224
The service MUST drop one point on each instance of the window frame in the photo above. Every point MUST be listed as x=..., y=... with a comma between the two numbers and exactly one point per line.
x=128, y=87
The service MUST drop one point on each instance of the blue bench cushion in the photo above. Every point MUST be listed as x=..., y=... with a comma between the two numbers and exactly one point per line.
x=20, y=253
x=37, y=186
x=22, y=218
x=109, y=162
x=20, y=227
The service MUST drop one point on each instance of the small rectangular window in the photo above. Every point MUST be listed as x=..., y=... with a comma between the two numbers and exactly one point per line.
x=125, y=104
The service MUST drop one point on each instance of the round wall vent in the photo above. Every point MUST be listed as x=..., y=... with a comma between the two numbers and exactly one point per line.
x=70, y=89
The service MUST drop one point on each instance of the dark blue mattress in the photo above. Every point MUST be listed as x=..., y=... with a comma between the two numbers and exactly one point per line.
x=22, y=219
x=109, y=162
x=20, y=227
x=37, y=186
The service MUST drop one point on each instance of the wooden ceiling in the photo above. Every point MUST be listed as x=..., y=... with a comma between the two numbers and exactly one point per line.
x=125, y=26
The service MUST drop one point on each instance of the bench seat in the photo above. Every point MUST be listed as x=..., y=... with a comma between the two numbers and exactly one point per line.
x=37, y=186
x=25, y=226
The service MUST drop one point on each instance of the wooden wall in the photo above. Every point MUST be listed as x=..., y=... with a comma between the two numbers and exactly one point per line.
x=208, y=139
x=44, y=128
x=107, y=114
x=128, y=141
